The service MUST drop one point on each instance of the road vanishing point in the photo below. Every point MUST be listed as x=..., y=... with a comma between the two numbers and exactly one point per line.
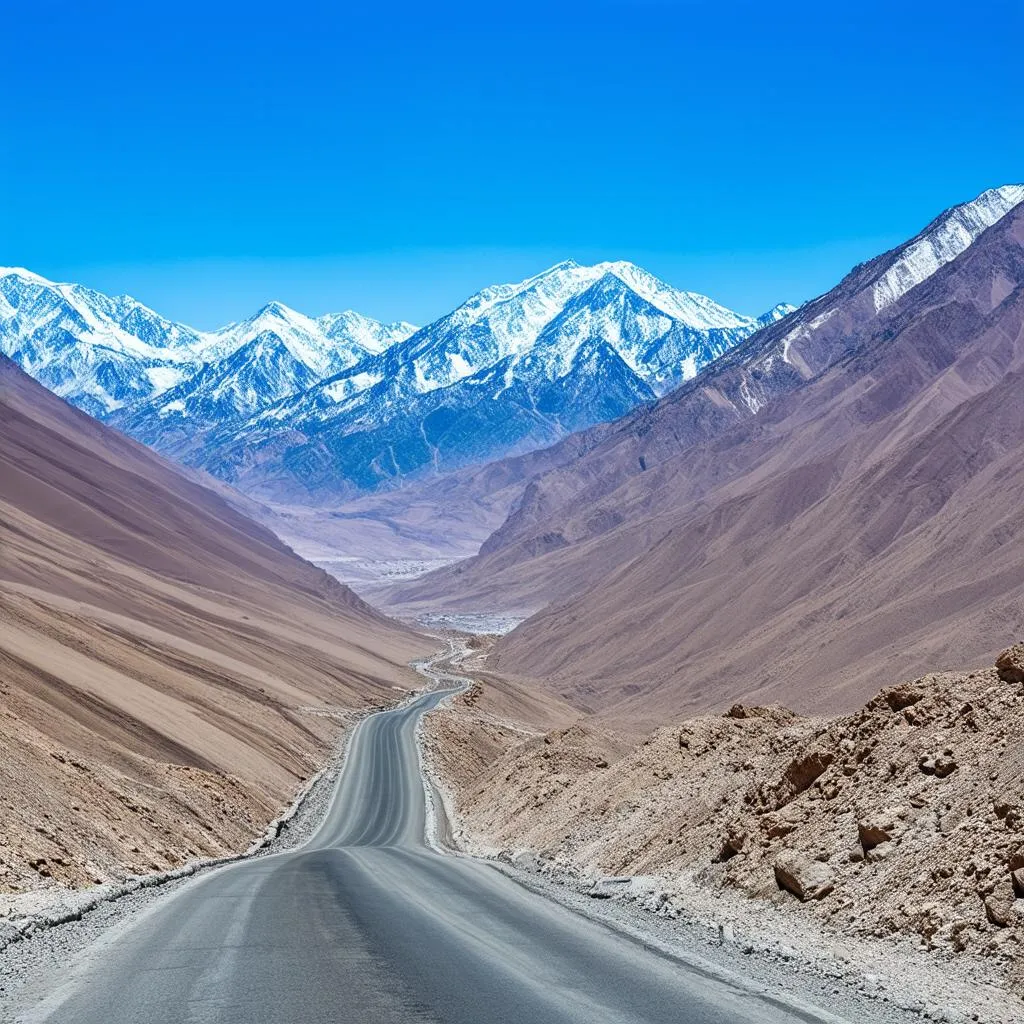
x=367, y=923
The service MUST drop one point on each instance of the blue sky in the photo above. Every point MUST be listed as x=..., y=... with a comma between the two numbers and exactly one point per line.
x=394, y=158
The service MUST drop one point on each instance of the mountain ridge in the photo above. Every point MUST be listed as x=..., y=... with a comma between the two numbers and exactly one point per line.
x=733, y=501
x=444, y=397
x=281, y=404
x=106, y=354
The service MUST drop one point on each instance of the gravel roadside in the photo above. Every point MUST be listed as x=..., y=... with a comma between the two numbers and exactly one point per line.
x=858, y=979
x=42, y=930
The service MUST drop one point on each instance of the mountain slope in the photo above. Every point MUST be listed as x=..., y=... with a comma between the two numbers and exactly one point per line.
x=514, y=368
x=170, y=671
x=776, y=362
x=819, y=500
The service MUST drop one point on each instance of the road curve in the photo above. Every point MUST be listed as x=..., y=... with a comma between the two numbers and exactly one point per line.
x=365, y=923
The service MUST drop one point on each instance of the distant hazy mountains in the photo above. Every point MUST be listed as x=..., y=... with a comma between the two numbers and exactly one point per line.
x=287, y=405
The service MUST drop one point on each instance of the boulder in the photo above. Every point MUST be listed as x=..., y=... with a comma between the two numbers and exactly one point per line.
x=874, y=831
x=1008, y=810
x=881, y=826
x=611, y=887
x=1001, y=910
x=880, y=852
x=526, y=860
x=776, y=826
x=1017, y=878
x=9, y=933
x=800, y=774
x=734, y=842
x=1010, y=664
x=939, y=765
x=805, y=878
x=899, y=698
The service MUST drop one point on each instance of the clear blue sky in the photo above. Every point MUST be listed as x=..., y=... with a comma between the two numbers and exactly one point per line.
x=209, y=157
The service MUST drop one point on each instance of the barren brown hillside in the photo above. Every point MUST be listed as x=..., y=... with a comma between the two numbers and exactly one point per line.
x=858, y=519
x=169, y=671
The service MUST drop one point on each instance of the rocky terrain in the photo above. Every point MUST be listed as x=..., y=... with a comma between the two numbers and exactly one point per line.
x=902, y=822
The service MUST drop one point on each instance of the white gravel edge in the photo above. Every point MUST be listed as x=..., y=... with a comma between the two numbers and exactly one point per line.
x=71, y=905
x=662, y=917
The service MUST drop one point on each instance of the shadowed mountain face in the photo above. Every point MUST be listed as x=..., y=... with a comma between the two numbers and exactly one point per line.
x=170, y=671
x=835, y=503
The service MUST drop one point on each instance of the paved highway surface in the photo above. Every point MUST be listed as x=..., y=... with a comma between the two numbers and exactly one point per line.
x=366, y=923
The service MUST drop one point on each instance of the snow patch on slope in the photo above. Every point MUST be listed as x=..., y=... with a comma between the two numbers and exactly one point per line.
x=951, y=236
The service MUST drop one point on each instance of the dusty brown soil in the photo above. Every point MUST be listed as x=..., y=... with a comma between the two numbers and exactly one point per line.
x=170, y=672
x=902, y=819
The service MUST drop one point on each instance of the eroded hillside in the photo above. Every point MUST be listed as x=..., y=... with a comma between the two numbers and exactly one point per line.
x=902, y=819
x=169, y=671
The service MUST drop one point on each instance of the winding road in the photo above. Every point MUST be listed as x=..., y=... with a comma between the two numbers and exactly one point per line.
x=367, y=923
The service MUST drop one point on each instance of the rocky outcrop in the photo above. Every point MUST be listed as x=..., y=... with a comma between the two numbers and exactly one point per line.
x=903, y=818
x=880, y=827
x=1010, y=664
x=807, y=879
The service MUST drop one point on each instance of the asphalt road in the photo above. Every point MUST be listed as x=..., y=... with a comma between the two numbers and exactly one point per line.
x=367, y=924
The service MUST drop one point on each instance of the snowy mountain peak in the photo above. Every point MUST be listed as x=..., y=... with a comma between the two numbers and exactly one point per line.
x=279, y=311
x=512, y=316
x=273, y=315
x=370, y=334
x=698, y=311
x=104, y=353
x=776, y=313
x=26, y=276
x=323, y=346
x=943, y=240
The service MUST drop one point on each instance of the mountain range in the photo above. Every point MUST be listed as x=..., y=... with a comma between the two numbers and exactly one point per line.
x=108, y=354
x=851, y=473
x=285, y=405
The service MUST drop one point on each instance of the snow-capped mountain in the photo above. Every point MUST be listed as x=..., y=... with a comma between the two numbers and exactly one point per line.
x=274, y=354
x=823, y=331
x=944, y=240
x=508, y=321
x=98, y=352
x=514, y=367
x=282, y=401
x=112, y=356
